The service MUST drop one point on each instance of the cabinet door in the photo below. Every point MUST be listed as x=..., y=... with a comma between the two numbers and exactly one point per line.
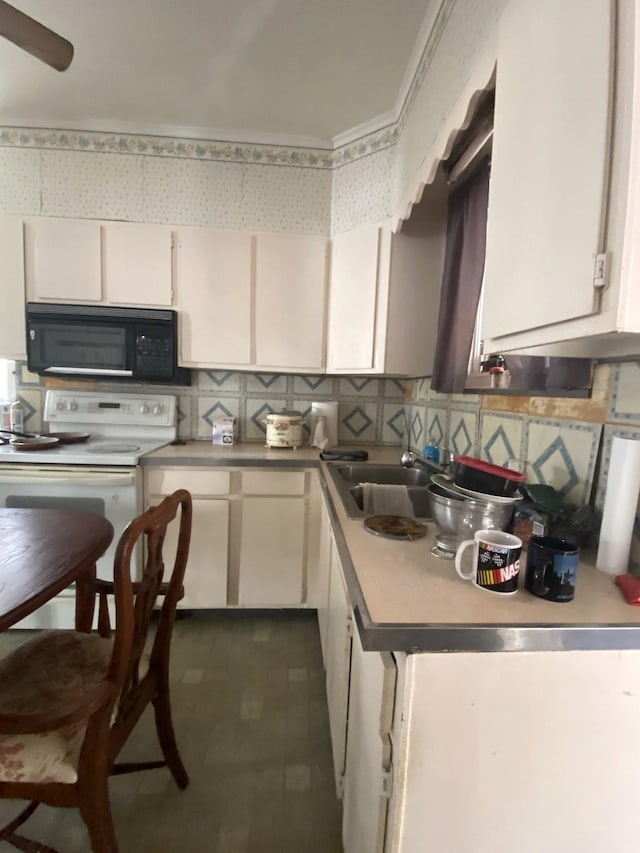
x=213, y=292
x=338, y=659
x=205, y=580
x=290, y=301
x=368, y=763
x=353, y=299
x=271, y=551
x=62, y=260
x=12, y=323
x=137, y=264
x=319, y=594
x=549, y=164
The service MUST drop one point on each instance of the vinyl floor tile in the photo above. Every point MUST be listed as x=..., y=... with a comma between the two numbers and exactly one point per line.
x=251, y=720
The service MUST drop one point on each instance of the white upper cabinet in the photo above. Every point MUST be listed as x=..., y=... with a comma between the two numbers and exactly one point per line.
x=213, y=296
x=549, y=175
x=291, y=283
x=137, y=264
x=62, y=260
x=255, y=301
x=359, y=270
x=385, y=295
x=12, y=320
x=85, y=260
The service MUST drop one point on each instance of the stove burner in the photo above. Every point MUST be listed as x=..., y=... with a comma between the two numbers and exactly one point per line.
x=113, y=448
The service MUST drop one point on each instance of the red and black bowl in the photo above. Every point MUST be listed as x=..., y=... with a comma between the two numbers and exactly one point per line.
x=476, y=475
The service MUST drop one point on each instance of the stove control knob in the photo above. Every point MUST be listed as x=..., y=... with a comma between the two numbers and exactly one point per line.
x=73, y=405
x=144, y=409
x=156, y=409
x=60, y=405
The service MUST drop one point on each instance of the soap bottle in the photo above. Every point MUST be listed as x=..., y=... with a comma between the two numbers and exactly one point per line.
x=16, y=415
x=432, y=451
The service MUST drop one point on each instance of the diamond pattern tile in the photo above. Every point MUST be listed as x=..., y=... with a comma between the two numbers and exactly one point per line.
x=546, y=467
x=498, y=448
x=357, y=422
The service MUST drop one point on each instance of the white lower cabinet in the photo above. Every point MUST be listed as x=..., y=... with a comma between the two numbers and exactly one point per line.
x=252, y=540
x=319, y=591
x=205, y=583
x=361, y=690
x=338, y=662
x=368, y=778
x=435, y=740
x=272, y=538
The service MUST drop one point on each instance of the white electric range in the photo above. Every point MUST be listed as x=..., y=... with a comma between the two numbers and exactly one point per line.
x=101, y=474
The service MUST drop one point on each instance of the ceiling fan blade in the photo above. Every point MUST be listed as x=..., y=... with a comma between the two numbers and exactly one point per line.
x=35, y=38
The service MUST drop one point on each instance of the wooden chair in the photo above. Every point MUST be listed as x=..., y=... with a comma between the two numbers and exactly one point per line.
x=69, y=700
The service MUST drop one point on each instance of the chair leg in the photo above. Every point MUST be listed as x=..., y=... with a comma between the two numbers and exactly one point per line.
x=8, y=833
x=95, y=809
x=167, y=737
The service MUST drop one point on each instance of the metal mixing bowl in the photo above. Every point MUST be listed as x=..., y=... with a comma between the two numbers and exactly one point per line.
x=446, y=510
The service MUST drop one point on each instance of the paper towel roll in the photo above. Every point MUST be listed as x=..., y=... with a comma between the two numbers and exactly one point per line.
x=330, y=412
x=620, y=505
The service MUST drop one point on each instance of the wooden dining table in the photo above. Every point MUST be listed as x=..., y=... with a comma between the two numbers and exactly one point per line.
x=43, y=551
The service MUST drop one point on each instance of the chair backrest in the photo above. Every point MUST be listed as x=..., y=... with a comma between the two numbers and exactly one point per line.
x=135, y=601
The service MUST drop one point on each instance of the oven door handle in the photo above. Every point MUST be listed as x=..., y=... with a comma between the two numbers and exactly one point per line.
x=73, y=480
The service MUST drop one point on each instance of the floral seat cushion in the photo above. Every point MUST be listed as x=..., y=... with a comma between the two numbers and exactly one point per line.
x=53, y=668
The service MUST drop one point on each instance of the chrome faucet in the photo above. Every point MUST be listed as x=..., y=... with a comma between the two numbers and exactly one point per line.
x=409, y=459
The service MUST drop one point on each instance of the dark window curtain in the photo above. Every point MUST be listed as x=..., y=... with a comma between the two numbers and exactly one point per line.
x=461, y=281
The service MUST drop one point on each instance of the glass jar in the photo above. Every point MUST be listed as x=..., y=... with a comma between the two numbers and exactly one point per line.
x=478, y=515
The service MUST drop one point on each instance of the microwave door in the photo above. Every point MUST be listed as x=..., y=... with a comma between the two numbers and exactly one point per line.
x=95, y=349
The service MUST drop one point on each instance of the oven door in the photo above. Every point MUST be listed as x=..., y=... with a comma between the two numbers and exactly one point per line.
x=114, y=493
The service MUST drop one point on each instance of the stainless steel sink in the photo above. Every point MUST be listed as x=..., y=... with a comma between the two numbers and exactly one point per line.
x=348, y=477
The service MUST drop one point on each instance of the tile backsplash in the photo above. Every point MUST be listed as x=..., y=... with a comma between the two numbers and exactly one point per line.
x=371, y=410
x=565, y=443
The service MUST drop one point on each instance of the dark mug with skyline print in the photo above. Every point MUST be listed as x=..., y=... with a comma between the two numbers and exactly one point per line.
x=495, y=565
x=552, y=568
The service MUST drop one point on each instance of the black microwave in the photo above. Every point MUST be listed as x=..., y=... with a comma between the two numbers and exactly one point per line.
x=98, y=341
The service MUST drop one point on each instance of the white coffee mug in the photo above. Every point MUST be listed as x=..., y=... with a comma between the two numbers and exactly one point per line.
x=496, y=561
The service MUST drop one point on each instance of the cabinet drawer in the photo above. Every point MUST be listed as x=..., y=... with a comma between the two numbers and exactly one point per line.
x=198, y=482
x=273, y=482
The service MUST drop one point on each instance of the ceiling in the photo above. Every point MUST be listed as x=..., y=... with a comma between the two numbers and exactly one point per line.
x=290, y=72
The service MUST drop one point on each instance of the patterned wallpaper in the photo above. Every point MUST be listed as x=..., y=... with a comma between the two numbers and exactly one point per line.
x=177, y=191
x=236, y=185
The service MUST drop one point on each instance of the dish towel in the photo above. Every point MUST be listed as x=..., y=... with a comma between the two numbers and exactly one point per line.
x=630, y=587
x=386, y=500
